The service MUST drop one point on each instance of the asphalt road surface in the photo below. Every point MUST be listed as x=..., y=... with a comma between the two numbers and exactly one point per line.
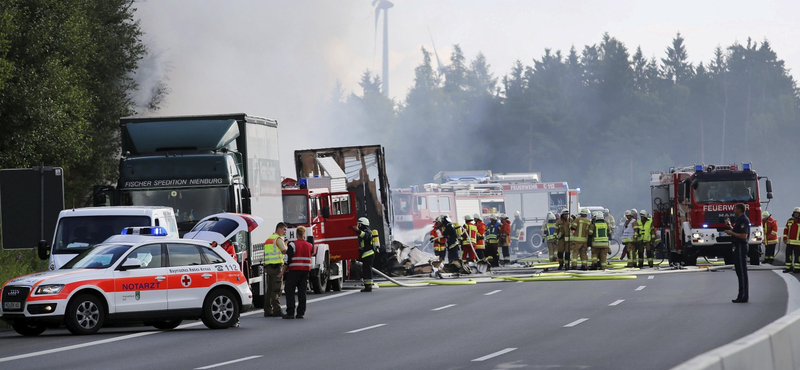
x=648, y=323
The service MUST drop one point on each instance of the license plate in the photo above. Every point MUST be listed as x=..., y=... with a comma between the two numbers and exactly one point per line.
x=12, y=305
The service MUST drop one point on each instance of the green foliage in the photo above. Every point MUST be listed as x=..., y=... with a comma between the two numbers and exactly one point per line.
x=15, y=263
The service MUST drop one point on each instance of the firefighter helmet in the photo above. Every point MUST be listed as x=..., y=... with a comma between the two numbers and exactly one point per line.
x=467, y=218
x=634, y=212
x=551, y=216
x=796, y=209
x=643, y=213
x=493, y=216
x=628, y=213
x=765, y=215
x=476, y=217
x=516, y=214
x=564, y=211
x=584, y=211
x=600, y=216
x=503, y=216
x=605, y=210
x=363, y=221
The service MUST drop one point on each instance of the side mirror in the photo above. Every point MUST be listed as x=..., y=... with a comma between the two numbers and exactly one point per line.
x=310, y=239
x=769, y=186
x=326, y=212
x=245, y=192
x=43, y=250
x=130, y=264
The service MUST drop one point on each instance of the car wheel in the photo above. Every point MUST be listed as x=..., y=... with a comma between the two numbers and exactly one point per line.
x=85, y=315
x=220, y=310
x=28, y=329
x=166, y=324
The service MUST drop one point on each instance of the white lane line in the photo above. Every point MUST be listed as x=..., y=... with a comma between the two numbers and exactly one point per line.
x=227, y=363
x=491, y=355
x=576, y=322
x=792, y=286
x=443, y=307
x=617, y=302
x=651, y=277
x=641, y=287
x=136, y=335
x=367, y=328
x=493, y=292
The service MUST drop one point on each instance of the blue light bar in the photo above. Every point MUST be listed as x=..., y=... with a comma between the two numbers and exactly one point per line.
x=746, y=166
x=146, y=230
x=705, y=226
x=698, y=167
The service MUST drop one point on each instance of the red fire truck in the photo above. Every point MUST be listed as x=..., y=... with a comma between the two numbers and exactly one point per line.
x=691, y=204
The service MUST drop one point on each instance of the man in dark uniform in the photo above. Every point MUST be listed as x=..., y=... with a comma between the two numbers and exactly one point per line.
x=449, y=231
x=740, y=231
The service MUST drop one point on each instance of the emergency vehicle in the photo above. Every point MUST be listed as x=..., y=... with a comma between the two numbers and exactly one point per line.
x=142, y=275
x=691, y=204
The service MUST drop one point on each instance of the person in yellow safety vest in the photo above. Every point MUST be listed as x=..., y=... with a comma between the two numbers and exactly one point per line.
x=628, y=233
x=600, y=232
x=480, y=230
x=550, y=236
x=274, y=249
x=611, y=222
x=646, y=232
x=791, y=238
x=439, y=241
x=468, y=239
x=563, y=234
x=366, y=250
x=516, y=232
x=770, y=236
x=579, y=239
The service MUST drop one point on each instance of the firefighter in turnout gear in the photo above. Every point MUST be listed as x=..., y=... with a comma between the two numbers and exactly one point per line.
x=438, y=240
x=450, y=232
x=366, y=250
x=600, y=232
x=492, y=238
x=504, y=238
x=550, y=235
x=791, y=238
x=516, y=232
x=628, y=234
x=611, y=222
x=646, y=232
x=770, y=236
x=468, y=239
x=563, y=234
x=480, y=230
x=579, y=240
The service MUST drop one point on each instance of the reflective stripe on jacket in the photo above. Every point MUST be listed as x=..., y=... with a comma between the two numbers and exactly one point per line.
x=272, y=255
x=301, y=256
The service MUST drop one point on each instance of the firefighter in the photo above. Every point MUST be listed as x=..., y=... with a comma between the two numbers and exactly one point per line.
x=610, y=221
x=791, y=238
x=449, y=230
x=563, y=234
x=504, y=238
x=628, y=237
x=366, y=251
x=480, y=230
x=516, y=231
x=579, y=239
x=438, y=239
x=468, y=238
x=770, y=236
x=274, y=248
x=646, y=232
x=492, y=235
x=549, y=233
x=599, y=233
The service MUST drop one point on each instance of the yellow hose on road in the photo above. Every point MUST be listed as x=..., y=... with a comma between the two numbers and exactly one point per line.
x=571, y=278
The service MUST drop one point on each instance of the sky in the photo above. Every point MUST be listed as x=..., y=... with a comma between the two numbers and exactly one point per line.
x=281, y=59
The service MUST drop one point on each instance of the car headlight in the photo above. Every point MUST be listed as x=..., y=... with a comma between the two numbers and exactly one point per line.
x=696, y=236
x=49, y=289
x=758, y=234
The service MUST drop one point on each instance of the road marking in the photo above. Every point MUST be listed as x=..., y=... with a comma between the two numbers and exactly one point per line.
x=651, y=277
x=576, y=322
x=136, y=335
x=641, y=287
x=227, y=363
x=617, y=302
x=493, y=292
x=491, y=355
x=367, y=328
x=443, y=307
x=792, y=286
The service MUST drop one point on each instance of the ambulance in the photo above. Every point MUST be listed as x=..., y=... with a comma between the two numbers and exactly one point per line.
x=141, y=275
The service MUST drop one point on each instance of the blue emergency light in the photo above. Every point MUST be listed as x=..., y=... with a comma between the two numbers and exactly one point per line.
x=303, y=183
x=705, y=226
x=147, y=230
x=698, y=167
x=746, y=166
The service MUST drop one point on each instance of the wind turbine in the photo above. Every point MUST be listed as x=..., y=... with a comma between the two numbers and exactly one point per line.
x=384, y=5
x=441, y=68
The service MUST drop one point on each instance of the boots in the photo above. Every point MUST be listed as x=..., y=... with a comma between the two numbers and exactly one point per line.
x=367, y=288
x=583, y=267
x=561, y=265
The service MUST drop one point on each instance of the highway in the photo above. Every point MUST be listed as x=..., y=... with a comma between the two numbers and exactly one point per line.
x=653, y=322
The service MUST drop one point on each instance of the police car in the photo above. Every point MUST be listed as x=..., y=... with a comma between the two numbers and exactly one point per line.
x=143, y=276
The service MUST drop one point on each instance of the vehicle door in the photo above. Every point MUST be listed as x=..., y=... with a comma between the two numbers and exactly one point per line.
x=190, y=276
x=144, y=288
x=341, y=240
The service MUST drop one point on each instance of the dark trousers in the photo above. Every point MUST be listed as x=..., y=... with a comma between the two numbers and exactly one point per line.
x=792, y=254
x=740, y=266
x=452, y=254
x=272, y=300
x=366, y=268
x=755, y=254
x=442, y=254
x=769, y=253
x=296, y=280
x=506, y=254
x=491, y=251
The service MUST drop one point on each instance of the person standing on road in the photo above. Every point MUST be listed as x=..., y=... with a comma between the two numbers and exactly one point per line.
x=366, y=251
x=480, y=231
x=468, y=240
x=579, y=239
x=610, y=221
x=516, y=230
x=646, y=232
x=628, y=233
x=298, y=265
x=492, y=234
x=274, y=249
x=438, y=240
x=740, y=231
x=770, y=236
x=791, y=238
x=563, y=234
x=504, y=238
x=599, y=233
x=550, y=236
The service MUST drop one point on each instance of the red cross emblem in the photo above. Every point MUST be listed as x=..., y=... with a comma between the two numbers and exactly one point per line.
x=186, y=281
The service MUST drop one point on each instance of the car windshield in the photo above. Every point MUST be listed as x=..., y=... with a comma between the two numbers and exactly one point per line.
x=295, y=209
x=76, y=234
x=729, y=191
x=402, y=203
x=190, y=204
x=98, y=257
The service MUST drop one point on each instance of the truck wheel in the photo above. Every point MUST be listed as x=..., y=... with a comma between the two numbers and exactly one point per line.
x=336, y=285
x=28, y=329
x=319, y=281
x=220, y=310
x=85, y=315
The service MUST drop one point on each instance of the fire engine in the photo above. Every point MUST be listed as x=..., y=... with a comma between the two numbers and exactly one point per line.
x=691, y=204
